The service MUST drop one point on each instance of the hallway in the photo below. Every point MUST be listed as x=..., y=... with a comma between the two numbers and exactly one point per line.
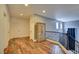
x=39, y=23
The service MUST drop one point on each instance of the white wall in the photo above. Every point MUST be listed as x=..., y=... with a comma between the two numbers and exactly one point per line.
x=50, y=25
x=77, y=34
x=33, y=20
x=19, y=27
x=4, y=27
x=74, y=24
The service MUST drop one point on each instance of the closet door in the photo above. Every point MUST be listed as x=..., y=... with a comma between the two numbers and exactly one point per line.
x=40, y=31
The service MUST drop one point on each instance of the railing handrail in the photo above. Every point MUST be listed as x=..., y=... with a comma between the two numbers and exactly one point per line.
x=73, y=38
x=62, y=33
x=55, y=32
x=60, y=45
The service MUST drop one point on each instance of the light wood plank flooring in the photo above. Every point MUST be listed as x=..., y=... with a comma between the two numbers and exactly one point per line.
x=27, y=46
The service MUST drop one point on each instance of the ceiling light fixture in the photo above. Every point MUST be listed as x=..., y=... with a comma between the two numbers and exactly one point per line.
x=44, y=11
x=21, y=14
x=26, y=4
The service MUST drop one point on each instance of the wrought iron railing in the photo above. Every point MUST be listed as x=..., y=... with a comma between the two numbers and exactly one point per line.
x=63, y=39
x=76, y=51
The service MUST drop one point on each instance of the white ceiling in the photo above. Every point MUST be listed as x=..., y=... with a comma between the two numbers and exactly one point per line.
x=62, y=12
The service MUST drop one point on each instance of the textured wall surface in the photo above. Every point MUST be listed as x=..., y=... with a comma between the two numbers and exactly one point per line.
x=19, y=27
x=4, y=27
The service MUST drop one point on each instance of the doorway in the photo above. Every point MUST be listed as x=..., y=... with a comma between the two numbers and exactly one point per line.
x=71, y=38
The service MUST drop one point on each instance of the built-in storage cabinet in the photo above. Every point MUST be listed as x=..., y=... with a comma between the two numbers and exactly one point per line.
x=40, y=31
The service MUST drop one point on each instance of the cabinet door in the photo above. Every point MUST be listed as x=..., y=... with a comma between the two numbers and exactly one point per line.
x=40, y=31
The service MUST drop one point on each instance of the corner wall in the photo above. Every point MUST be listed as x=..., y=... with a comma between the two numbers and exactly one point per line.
x=4, y=27
x=50, y=25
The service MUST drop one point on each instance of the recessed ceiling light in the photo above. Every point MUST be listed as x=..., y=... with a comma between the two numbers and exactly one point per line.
x=21, y=14
x=26, y=4
x=44, y=11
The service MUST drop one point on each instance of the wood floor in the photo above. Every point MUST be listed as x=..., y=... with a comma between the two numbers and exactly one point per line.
x=43, y=47
x=27, y=46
